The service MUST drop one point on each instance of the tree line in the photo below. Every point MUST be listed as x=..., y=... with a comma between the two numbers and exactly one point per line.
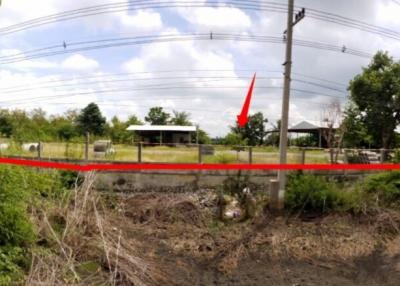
x=22, y=126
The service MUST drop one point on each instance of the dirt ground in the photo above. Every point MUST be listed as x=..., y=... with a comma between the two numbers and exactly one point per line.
x=179, y=236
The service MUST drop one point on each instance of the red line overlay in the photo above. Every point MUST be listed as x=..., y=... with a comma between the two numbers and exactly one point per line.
x=167, y=166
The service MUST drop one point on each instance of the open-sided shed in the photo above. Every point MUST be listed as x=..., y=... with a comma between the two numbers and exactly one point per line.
x=167, y=134
x=312, y=128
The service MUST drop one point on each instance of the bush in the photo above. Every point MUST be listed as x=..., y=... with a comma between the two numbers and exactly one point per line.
x=20, y=187
x=11, y=260
x=308, y=193
x=384, y=188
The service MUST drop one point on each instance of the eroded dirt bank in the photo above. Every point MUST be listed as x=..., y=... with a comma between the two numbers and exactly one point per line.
x=180, y=238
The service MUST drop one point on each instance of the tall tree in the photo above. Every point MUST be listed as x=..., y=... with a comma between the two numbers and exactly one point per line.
x=254, y=130
x=157, y=116
x=376, y=94
x=181, y=118
x=91, y=120
x=355, y=133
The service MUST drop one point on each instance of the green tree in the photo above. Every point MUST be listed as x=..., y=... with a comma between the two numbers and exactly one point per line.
x=6, y=128
x=273, y=137
x=118, y=132
x=203, y=137
x=254, y=130
x=134, y=120
x=235, y=139
x=157, y=116
x=354, y=131
x=376, y=94
x=91, y=120
x=181, y=118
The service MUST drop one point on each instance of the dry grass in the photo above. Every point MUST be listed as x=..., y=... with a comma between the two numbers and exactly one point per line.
x=89, y=250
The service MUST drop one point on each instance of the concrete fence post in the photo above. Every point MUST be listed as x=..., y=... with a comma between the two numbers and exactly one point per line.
x=250, y=155
x=275, y=197
x=140, y=152
x=87, y=146
x=200, y=154
x=39, y=151
x=303, y=156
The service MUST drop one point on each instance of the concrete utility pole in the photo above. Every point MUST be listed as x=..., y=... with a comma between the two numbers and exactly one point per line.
x=285, y=103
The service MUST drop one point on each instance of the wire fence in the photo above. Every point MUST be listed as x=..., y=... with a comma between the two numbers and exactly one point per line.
x=104, y=150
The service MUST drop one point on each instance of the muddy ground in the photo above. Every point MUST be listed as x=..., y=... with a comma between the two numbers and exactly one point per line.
x=180, y=237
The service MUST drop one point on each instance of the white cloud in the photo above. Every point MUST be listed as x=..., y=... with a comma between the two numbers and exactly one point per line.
x=220, y=18
x=143, y=20
x=122, y=20
x=79, y=62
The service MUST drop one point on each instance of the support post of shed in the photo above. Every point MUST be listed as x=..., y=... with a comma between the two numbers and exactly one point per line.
x=319, y=138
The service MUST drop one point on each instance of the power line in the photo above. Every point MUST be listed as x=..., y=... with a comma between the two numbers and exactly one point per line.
x=241, y=4
x=119, y=42
x=308, y=101
x=194, y=79
x=39, y=84
x=153, y=88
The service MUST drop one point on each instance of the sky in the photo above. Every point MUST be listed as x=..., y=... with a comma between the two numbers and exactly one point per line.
x=206, y=75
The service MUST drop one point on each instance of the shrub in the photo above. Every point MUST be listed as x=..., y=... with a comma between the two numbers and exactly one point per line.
x=384, y=188
x=308, y=193
x=11, y=260
x=20, y=187
x=69, y=179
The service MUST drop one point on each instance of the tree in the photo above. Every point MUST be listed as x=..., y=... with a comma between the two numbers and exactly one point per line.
x=355, y=134
x=91, y=120
x=134, y=120
x=235, y=139
x=203, y=137
x=376, y=94
x=334, y=131
x=181, y=118
x=6, y=128
x=254, y=130
x=157, y=116
x=273, y=137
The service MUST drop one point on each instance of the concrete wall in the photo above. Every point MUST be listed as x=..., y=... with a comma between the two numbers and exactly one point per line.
x=183, y=181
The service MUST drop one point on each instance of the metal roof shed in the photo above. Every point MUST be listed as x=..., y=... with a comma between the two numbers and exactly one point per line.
x=172, y=134
x=313, y=128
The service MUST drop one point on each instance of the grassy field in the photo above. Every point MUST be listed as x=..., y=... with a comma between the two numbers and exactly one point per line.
x=181, y=154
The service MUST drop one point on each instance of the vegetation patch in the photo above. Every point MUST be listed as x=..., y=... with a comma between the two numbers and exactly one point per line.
x=315, y=194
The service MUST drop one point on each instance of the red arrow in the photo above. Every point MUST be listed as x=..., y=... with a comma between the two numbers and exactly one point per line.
x=243, y=118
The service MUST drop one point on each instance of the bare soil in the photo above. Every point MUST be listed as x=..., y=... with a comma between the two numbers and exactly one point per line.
x=180, y=236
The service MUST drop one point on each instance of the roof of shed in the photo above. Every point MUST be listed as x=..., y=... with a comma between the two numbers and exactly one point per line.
x=162, y=128
x=307, y=125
